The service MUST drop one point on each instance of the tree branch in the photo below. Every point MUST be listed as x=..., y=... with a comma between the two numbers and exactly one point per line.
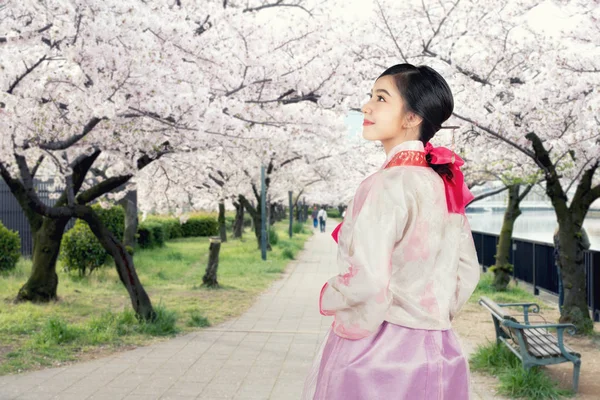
x=487, y=194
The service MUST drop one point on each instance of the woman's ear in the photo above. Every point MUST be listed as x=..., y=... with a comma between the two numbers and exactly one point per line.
x=412, y=120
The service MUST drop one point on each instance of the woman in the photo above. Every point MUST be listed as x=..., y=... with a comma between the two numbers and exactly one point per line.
x=406, y=256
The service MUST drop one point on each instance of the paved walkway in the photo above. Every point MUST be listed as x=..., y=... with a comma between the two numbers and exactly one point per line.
x=264, y=354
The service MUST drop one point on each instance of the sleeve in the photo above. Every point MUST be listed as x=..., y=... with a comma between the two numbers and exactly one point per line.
x=358, y=297
x=468, y=269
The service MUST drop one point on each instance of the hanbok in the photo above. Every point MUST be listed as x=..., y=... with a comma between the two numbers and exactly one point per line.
x=407, y=264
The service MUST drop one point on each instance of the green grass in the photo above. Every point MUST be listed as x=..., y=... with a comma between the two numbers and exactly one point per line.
x=93, y=315
x=515, y=382
x=513, y=294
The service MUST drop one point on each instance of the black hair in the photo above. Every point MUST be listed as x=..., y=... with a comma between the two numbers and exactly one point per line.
x=425, y=93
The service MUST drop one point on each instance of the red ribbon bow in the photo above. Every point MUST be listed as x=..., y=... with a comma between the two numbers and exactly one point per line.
x=457, y=192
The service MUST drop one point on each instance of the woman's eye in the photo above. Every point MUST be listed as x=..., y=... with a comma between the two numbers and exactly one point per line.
x=379, y=98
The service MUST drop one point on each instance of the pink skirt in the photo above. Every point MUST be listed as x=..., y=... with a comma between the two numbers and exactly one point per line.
x=393, y=363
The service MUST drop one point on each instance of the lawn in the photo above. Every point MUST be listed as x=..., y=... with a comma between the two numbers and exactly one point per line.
x=93, y=315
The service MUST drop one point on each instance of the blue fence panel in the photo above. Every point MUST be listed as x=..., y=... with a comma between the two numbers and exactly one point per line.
x=534, y=263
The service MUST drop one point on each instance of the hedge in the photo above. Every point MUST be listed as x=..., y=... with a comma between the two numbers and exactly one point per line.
x=10, y=248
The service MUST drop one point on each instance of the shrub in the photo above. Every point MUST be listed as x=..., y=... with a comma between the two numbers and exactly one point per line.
x=151, y=234
x=10, y=248
x=113, y=218
x=80, y=249
x=298, y=227
x=172, y=226
x=273, y=237
x=288, y=253
x=333, y=213
x=200, y=226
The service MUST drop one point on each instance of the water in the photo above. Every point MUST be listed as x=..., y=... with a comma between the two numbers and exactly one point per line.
x=532, y=225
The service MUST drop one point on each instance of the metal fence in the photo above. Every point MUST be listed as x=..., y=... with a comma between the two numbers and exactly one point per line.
x=534, y=263
x=13, y=217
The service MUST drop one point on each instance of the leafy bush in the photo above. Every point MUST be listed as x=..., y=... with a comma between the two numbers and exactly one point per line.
x=80, y=249
x=200, y=226
x=10, y=248
x=151, y=234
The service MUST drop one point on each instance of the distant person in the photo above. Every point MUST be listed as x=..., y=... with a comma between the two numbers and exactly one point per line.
x=585, y=244
x=315, y=216
x=322, y=219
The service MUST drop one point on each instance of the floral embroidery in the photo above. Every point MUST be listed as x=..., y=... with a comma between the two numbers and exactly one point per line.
x=408, y=158
x=345, y=279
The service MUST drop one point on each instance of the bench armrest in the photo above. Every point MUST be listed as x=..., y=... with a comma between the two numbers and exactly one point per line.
x=535, y=308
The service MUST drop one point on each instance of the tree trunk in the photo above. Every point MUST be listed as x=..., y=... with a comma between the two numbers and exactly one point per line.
x=570, y=220
x=125, y=268
x=210, y=277
x=43, y=281
x=255, y=214
x=503, y=269
x=238, y=224
x=222, y=225
x=129, y=203
x=572, y=268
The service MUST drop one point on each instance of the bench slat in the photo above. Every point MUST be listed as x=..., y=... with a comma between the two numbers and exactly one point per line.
x=536, y=344
x=543, y=344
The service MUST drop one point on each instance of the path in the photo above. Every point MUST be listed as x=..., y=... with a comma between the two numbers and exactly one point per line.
x=263, y=354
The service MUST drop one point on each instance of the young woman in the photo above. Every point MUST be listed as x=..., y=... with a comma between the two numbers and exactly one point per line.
x=406, y=257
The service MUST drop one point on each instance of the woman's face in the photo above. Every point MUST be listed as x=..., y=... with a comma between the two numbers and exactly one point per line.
x=384, y=114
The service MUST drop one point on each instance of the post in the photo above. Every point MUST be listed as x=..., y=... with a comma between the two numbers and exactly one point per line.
x=536, y=291
x=291, y=212
x=210, y=277
x=263, y=214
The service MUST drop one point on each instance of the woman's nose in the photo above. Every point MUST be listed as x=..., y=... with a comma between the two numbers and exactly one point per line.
x=365, y=108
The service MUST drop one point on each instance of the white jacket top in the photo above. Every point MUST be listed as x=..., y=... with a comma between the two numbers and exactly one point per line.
x=402, y=257
x=322, y=214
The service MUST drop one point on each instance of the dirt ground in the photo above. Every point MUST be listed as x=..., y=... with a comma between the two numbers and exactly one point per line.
x=474, y=326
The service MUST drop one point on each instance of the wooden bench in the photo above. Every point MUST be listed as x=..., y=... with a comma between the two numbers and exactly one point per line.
x=533, y=344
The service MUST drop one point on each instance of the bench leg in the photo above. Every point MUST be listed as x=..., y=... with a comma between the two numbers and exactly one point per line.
x=576, y=367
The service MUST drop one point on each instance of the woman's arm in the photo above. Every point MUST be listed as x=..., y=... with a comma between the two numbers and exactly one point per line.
x=359, y=297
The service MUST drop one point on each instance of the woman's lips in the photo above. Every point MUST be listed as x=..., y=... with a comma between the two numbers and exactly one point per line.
x=367, y=123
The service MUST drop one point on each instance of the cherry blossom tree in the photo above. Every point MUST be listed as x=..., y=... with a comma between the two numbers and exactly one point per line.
x=118, y=87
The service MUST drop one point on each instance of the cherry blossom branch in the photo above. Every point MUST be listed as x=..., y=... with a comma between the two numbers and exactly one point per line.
x=278, y=3
x=28, y=70
x=389, y=29
x=27, y=35
x=496, y=135
x=65, y=144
